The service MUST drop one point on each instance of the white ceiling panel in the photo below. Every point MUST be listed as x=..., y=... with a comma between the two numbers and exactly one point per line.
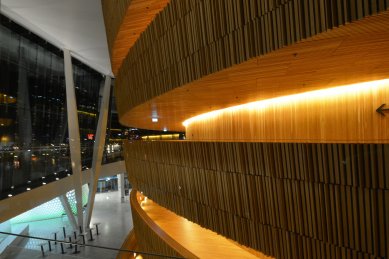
x=77, y=25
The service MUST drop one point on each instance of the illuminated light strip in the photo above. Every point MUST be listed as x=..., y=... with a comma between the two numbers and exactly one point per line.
x=157, y=137
x=323, y=93
x=87, y=113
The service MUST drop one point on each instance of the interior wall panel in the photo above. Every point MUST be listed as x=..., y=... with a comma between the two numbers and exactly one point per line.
x=190, y=39
x=125, y=20
x=287, y=200
x=114, y=13
x=341, y=114
x=152, y=239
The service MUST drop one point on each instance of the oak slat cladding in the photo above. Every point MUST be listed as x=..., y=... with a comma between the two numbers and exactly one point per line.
x=287, y=200
x=348, y=54
x=113, y=12
x=349, y=117
x=187, y=238
x=125, y=20
x=146, y=237
x=143, y=76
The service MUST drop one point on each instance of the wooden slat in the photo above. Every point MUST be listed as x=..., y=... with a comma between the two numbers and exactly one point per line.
x=125, y=20
x=349, y=117
x=350, y=54
x=161, y=230
x=328, y=217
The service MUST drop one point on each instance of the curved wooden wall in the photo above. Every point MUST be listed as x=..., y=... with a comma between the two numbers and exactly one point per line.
x=114, y=13
x=194, y=241
x=125, y=21
x=191, y=39
x=287, y=200
x=344, y=114
x=151, y=238
x=350, y=54
x=129, y=243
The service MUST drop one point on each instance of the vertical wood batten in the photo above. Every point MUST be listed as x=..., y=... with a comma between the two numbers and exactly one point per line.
x=186, y=42
x=286, y=205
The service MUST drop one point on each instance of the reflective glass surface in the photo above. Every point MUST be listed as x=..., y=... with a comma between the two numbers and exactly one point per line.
x=34, y=145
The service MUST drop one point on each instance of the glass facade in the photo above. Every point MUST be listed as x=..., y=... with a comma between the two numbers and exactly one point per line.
x=34, y=145
x=33, y=114
x=87, y=83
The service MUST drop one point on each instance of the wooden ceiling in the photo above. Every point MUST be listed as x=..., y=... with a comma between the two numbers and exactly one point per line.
x=139, y=15
x=357, y=52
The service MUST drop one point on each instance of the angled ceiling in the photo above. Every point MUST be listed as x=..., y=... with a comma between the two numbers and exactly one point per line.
x=72, y=24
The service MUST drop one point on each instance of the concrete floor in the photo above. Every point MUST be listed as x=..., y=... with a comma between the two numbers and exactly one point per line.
x=115, y=223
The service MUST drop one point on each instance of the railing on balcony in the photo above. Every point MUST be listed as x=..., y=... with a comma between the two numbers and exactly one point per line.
x=50, y=246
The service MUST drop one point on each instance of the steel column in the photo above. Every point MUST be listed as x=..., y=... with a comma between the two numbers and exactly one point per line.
x=74, y=133
x=98, y=149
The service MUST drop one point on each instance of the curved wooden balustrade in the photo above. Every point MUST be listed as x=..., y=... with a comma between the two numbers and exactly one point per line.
x=125, y=20
x=287, y=200
x=192, y=41
x=191, y=240
x=129, y=243
x=344, y=114
x=151, y=237
x=350, y=54
x=114, y=13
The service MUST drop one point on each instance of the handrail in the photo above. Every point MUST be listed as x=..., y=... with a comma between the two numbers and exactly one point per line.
x=87, y=245
x=171, y=242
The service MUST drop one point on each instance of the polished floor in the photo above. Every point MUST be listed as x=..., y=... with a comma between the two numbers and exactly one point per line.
x=115, y=221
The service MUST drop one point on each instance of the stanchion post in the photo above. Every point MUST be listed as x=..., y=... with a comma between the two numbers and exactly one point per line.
x=62, y=251
x=70, y=241
x=43, y=252
x=97, y=228
x=75, y=249
x=91, y=235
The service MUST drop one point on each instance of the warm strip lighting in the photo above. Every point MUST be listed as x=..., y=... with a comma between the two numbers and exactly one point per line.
x=87, y=113
x=323, y=93
x=163, y=137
